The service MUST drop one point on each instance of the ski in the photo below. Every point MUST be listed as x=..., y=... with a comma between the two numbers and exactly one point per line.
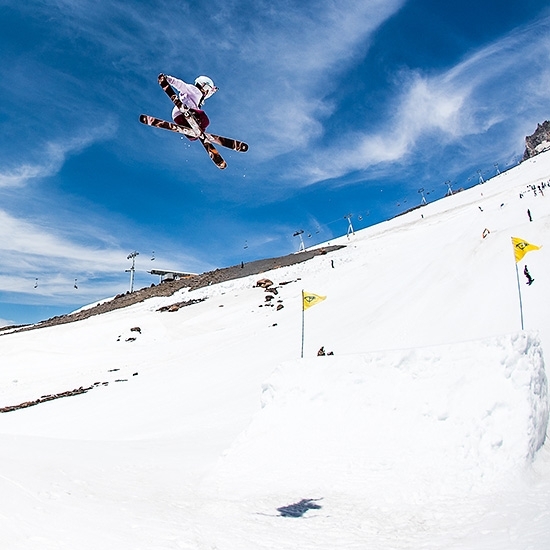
x=217, y=159
x=229, y=143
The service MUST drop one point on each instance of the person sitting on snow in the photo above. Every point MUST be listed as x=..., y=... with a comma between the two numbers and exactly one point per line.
x=193, y=96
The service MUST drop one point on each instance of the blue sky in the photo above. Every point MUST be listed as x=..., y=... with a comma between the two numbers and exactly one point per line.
x=349, y=107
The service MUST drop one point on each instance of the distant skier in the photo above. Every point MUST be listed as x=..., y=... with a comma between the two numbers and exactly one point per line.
x=194, y=97
x=528, y=275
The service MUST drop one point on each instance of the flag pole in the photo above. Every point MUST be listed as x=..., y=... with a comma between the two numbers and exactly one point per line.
x=311, y=300
x=519, y=292
x=521, y=247
x=302, y=354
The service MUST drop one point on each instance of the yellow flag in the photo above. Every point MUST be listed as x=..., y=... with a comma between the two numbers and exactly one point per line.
x=310, y=299
x=521, y=248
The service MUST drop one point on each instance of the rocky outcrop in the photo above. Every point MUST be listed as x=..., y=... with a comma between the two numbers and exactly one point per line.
x=538, y=142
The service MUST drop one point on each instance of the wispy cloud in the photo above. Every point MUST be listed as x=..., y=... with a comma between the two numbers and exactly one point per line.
x=295, y=54
x=51, y=157
x=497, y=83
x=40, y=259
x=37, y=262
x=31, y=248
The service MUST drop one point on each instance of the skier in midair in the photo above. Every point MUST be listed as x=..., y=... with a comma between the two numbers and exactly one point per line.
x=193, y=96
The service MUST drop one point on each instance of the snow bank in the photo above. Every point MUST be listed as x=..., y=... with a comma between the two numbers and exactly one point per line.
x=393, y=427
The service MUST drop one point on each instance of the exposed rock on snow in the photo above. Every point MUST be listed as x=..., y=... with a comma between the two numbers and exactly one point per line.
x=46, y=398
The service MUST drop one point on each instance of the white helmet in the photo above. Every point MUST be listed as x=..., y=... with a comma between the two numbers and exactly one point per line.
x=206, y=86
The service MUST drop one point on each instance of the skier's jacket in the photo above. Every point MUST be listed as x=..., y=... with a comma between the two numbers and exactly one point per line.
x=190, y=95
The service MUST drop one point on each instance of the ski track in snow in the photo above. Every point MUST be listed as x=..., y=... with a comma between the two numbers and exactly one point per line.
x=423, y=431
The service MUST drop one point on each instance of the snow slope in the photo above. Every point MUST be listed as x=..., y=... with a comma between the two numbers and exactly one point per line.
x=425, y=429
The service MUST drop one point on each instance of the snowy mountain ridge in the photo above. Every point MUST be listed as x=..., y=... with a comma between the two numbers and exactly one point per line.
x=425, y=429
